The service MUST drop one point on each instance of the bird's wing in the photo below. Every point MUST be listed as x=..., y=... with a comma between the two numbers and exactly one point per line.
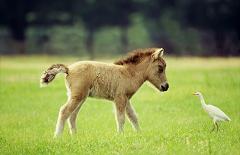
x=213, y=110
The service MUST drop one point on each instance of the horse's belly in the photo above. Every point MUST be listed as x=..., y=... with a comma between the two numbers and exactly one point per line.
x=101, y=92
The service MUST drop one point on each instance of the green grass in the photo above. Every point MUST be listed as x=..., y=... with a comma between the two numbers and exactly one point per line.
x=171, y=122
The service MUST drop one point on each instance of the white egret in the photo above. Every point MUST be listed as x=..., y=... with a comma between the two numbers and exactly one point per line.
x=214, y=112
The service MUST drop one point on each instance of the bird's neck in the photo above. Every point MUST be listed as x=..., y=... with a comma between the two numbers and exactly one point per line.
x=202, y=101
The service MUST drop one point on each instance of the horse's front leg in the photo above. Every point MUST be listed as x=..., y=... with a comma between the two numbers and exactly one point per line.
x=132, y=116
x=120, y=105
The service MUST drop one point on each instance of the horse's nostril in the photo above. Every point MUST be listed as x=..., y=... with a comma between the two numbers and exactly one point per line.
x=165, y=87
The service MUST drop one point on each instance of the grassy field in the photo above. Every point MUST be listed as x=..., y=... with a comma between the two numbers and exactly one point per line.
x=171, y=122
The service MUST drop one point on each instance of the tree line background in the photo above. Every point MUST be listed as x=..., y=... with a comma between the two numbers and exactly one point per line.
x=99, y=28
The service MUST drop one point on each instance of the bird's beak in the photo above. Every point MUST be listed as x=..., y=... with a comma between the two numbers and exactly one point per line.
x=194, y=93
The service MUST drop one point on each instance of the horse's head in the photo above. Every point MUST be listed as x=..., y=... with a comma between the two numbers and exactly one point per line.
x=156, y=70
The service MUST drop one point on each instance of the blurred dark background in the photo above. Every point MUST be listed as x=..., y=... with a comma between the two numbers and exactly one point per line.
x=112, y=27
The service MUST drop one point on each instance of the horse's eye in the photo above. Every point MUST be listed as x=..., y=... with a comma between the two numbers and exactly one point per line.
x=160, y=69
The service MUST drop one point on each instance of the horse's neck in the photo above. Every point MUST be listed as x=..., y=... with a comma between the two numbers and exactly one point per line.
x=138, y=72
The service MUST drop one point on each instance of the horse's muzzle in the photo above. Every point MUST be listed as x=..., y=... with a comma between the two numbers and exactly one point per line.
x=165, y=86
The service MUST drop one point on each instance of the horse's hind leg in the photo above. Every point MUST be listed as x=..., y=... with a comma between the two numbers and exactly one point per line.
x=73, y=117
x=132, y=116
x=65, y=111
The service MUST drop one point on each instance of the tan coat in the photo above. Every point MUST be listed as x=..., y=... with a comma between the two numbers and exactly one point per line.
x=116, y=82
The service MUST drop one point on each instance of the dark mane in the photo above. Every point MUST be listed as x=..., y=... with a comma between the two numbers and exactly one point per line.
x=135, y=56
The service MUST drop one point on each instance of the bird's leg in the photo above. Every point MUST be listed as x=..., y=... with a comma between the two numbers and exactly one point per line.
x=213, y=127
x=217, y=127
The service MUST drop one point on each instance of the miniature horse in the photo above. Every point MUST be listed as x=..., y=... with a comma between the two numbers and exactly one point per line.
x=116, y=82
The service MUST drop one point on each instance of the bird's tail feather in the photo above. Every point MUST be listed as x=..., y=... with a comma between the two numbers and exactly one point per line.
x=227, y=119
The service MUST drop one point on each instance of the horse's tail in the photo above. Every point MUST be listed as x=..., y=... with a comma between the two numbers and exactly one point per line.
x=51, y=72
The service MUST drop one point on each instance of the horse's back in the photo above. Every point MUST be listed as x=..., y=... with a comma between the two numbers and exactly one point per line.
x=99, y=77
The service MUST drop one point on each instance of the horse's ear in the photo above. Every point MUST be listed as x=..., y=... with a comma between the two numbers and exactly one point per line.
x=158, y=53
x=161, y=52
